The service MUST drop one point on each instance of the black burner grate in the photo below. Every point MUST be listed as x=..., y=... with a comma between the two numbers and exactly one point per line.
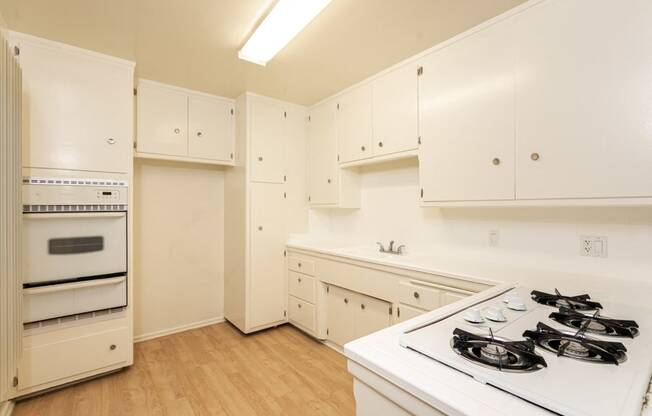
x=579, y=302
x=596, y=324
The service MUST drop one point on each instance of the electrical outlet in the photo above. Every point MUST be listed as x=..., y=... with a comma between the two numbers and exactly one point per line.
x=494, y=238
x=593, y=246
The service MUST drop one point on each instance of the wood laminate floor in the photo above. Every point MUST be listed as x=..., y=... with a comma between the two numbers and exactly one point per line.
x=213, y=370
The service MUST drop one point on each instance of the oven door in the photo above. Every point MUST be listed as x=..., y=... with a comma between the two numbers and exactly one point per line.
x=73, y=246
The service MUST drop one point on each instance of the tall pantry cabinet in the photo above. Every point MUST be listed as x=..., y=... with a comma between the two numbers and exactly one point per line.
x=266, y=201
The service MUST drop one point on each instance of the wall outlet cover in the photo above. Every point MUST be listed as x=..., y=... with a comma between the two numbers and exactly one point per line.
x=593, y=246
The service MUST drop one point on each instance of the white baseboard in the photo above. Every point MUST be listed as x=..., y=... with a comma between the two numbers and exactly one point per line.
x=176, y=329
x=6, y=408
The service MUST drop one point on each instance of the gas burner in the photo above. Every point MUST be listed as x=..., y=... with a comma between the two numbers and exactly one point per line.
x=497, y=353
x=577, y=346
x=596, y=324
x=579, y=303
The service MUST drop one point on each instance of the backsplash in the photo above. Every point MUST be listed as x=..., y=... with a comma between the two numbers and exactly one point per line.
x=542, y=237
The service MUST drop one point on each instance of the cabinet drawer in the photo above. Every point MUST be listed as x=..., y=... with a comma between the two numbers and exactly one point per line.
x=302, y=313
x=75, y=356
x=301, y=286
x=302, y=265
x=421, y=296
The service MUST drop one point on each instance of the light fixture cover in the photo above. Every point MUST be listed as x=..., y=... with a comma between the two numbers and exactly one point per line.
x=286, y=19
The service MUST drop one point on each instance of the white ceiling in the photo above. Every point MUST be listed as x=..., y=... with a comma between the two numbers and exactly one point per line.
x=194, y=43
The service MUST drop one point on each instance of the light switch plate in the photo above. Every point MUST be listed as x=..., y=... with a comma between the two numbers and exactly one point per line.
x=494, y=238
x=593, y=246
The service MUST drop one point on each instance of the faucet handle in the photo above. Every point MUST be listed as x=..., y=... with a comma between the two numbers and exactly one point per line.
x=391, y=246
x=400, y=248
x=382, y=247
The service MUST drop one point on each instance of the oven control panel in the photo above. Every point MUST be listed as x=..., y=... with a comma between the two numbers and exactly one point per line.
x=108, y=195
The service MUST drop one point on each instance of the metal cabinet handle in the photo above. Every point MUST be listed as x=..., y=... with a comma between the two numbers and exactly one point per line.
x=362, y=306
x=363, y=148
x=535, y=156
x=329, y=180
x=299, y=264
x=110, y=140
x=113, y=347
x=380, y=144
x=299, y=279
x=199, y=134
x=496, y=161
x=260, y=158
x=177, y=131
x=416, y=295
x=299, y=305
x=260, y=228
x=346, y=300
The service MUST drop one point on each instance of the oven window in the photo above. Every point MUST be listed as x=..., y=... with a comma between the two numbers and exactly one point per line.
x=75, y=245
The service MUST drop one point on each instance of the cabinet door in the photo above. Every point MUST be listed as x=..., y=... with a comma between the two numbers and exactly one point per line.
x=466, y=118
x=162, y=121
x=268, y=141
x=395, y=113
x=322, y=155
x=406, y=312
x=354, y=124
x=371, y=315
x=77, y=110
x=267, y=286
x=341, y=313
x=210, y=128
x=583, y=100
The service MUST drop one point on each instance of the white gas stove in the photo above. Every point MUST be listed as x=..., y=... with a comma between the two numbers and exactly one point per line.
x=570, y=355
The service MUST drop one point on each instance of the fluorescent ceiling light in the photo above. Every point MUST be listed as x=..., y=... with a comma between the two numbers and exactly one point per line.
x=286, y=19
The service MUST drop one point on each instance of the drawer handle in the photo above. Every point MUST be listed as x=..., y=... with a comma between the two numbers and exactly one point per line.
x=346, y=300
x=380, y=144
x=416, y=295
x=113, y=347
x=110, y=140
x=362, y=306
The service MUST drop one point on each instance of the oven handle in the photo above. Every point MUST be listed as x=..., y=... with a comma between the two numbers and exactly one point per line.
x=72, y=286
x=49, y=216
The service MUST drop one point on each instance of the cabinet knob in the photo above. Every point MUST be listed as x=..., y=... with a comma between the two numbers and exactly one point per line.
x=110, y=140
x=260, y=158
x=535, y=156
x=416, y=295
x=177, y=131
x=380, y=144
x=299, y=279
x=199, y=134
x=346, y=300
x=299, y=264
x=363, y=148
x=260, y=228
x=329, y=180
x=496, y=161
x=362, y=306
x=112, y=347
x=299, y=305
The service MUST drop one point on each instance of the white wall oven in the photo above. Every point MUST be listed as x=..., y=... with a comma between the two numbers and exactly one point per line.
x=74, y=247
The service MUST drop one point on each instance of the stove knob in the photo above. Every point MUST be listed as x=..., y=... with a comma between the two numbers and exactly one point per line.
x=495, y=314
x=473, y=316
x=516, y=304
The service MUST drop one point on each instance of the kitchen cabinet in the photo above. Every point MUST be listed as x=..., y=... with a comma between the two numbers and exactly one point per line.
x=178, y=124
x=354, y=124
x=328, y=185
x=466, y=118
x=77, y=107
x=583, y=110
x=268, y=139
x=266, y=261
x=405, y=312
x=353, y=315
x=260, y=213
x=209, y=128
x=394, y=110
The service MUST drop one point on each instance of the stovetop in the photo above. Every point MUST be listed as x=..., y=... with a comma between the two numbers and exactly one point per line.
x=567, y=358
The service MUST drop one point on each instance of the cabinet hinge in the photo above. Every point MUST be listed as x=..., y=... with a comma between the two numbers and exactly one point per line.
x=285, y=178
x=308, y=198
x=328, y=289
x=285, y=314
x=308, y=118
x=327, y=332
x=231, y=155
x=390, y=309
x=285, y=195
x=420, y=71
x=232, y=111
x=285, y=253
x=421, y=192
x=15, y=382
x=135, y=145
x=338, y=106
x=398, y=312
x=419, y=140
x=338, y=158
x=16, y=50
x=285, y=114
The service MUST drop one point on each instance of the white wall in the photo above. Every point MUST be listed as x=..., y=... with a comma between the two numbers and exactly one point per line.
x=538, y=237
x=178, y=246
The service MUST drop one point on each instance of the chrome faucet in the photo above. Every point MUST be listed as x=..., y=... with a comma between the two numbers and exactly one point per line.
x=390, y=250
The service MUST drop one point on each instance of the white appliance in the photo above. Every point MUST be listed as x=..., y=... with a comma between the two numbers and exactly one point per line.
x=74, y=246
x=605, y=364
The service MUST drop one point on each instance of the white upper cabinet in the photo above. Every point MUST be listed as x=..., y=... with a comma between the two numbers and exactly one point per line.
x=268, y=138
x=77, y=107
x=466, y=118
x=179, y=124
x=322, y=155
x=354, y=124
x=295, y=168
x=583, y=107
x=394, y=108
x=210, y=128
x=162, y=120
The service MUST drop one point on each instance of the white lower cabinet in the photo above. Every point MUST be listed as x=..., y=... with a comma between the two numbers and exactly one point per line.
x=353, y=315
x=302, y=313
x=405, y=312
